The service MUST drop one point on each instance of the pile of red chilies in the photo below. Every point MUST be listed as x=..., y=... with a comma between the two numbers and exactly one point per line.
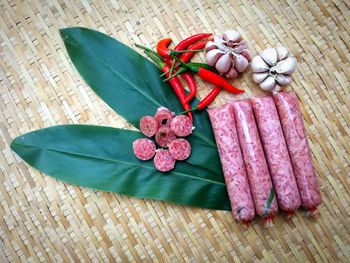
x=168, y=61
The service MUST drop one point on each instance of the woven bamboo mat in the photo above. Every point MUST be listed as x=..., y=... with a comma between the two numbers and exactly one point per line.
x=43, y=219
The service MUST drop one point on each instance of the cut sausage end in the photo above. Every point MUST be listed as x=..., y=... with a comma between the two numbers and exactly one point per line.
x=290, y=214
x=313, y=213
x=268, y=221
x=245, y=224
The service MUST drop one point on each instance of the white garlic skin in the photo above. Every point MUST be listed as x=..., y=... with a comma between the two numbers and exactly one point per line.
x=268, y=84
x=282, y=53
x=232, y=35
x=259, y=65
x=269, y=55
x=287, y=66
x=272, y=69
x=228, y=53
x=259, y=77
x=283, y=80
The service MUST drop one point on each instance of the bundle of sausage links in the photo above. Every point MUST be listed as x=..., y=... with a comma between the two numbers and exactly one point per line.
x=265, y=157
x=166, y=127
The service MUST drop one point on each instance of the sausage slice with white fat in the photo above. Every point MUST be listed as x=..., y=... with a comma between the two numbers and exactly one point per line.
x=144, y=149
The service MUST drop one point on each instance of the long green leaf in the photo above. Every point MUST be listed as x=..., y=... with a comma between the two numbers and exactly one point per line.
x=130, y=85
x=101, y=158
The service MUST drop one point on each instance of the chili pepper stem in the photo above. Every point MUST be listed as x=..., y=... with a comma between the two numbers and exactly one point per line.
x=163, y=74
x=155, y=58
x=173, y=52
x=190, y=110
x=172, y=67
x=179, y=72
x=148, y=49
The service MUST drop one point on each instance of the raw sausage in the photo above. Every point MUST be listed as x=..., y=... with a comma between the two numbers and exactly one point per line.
x=163, y=161
x=276, y=153
x=148, y=125
x=180, y=149
x=181, y=125
x=223, y=123
x=299, y=150
x=254, y=159
x=144, y=149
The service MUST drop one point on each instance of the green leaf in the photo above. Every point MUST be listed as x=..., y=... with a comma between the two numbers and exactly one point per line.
x=130, y=84
x=269, y=201
x=102, y=158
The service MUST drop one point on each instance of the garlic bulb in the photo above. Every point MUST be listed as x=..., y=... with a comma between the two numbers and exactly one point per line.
x=272, y=69
x=228, y=53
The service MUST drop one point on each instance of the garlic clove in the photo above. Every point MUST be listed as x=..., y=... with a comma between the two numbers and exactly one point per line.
x=246, y=54
x=224, y=63
x=260, y=77
x=277, y=88
x=282, y=53
x=238, y=49
x=283, y=80
x=241, y=63
x=268, y=84
x=212, y=56
x=243, y=43
x=259, y=65
x=232, y=74
x=218, y=39
x=232, y=35
x=209, y=46
x=286, y=66
x=269, y=55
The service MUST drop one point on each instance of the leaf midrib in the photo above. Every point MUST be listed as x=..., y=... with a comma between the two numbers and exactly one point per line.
x=110, y=160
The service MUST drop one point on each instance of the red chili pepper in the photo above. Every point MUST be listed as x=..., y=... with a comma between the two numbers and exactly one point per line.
x=209, y=98
x=188, y=55
x=175, y=83
x=164, y=51
x=187, y=76
x=190, y=40
x=162, y=47
x=179, y=90
x=210, y=76
x=216, y=79
x=206, y=101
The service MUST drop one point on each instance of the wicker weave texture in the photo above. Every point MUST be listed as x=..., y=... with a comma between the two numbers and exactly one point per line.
x=43, y=219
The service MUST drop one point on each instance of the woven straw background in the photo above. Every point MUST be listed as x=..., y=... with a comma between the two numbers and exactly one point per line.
x=43, y=219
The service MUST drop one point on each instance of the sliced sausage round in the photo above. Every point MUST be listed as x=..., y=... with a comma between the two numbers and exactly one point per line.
x=144, y=149
x=180, y=149
x=163, y=161
x=164, y=136
x=181, y=125
x=163, y=116
x=148, y=125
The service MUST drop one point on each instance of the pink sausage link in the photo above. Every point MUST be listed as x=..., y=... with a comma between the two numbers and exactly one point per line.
x=298, y=147
x=254, y=159
x=276, y=152
x=223, y=123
